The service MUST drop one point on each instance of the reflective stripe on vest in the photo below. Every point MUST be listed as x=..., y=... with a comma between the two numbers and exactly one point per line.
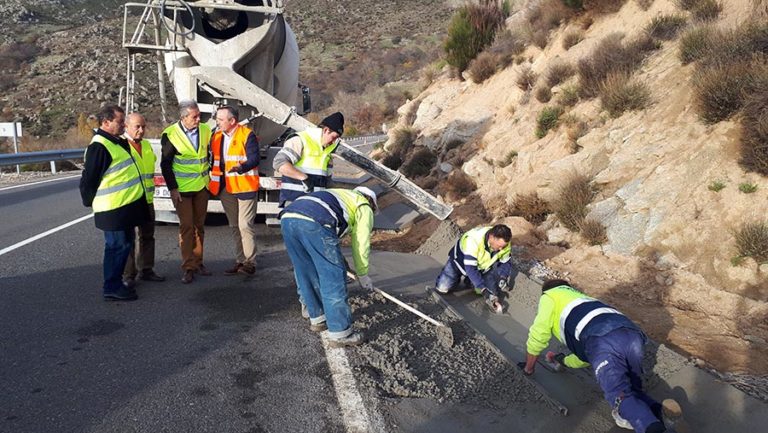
x=190, y=167
x=336, y=208
x=236, y=154
x=314, y=161
x=121, y=183
x=146, y=163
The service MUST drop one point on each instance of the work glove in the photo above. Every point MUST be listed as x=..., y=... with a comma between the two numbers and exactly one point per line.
x=556, y=360
x=365, y=282
x=307, y=185
x=503, y=284
x=493, y=303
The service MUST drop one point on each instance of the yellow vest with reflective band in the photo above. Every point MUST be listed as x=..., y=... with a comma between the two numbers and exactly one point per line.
x=473, y=243
x=121, y=183
x=146, y=163
x=350, y=201
x=235, y=182
x=314, y=158
x=189, y=166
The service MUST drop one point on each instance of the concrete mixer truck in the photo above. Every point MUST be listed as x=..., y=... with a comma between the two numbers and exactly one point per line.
x=241, y=53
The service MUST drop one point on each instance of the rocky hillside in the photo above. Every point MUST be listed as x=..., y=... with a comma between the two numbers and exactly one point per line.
x=61, y=59
x=664, y=194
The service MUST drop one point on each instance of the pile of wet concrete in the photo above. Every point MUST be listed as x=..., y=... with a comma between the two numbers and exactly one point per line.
x=403, y=357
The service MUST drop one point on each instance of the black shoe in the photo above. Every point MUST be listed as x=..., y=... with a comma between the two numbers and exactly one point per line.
x=202, y=270
x=234, y=269
x=129, y=283
x=150, y=275
x=121, y=295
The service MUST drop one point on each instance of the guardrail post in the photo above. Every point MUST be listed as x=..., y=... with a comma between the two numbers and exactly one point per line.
x=53, y=167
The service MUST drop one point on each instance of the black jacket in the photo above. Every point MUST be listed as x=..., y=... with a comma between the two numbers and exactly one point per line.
x=97, y=161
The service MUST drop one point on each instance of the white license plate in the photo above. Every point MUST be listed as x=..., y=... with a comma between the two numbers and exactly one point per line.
x=162, y=191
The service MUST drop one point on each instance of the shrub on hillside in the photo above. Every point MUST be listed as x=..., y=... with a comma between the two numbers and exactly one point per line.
x=459, y=185
x=666, y=27
x=548, y=119
x=526, y=78
x=593, y=232
x=531, y=207
x=543, y=93
x=754, y=133
x=572, y=38
x=472, y=28
x=420, y=163
x=569, y=96
x=644, y=4
x=402, y=141
x=392, y=161
x=611, y=56
x=619, y=93
x=752, y=241
x=707, y=10
x=719, y=89
x=572, y=200
x=558, y=72
x=696, y=43
x=482, y=67
x=506, y=46
x=686, y=5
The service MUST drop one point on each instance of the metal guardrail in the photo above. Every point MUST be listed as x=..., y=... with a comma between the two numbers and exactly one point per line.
x=64, y=154
x=36, y=157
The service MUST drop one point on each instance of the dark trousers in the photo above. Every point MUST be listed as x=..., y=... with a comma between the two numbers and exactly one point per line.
x=191, y=212
x=117, y=245
x=142, y=258
x=617, y=361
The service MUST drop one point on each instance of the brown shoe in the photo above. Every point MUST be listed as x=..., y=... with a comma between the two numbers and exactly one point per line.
x=202, y=270
x=188, y=277
x=247, y=269
x=234, y=269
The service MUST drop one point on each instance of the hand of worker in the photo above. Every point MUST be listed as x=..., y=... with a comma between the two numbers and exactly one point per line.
x=556, y=360
x=175, y=197
x=236, y=169
x=521, y=365
x=308, y=187
x=494, y=303
x=365, y=282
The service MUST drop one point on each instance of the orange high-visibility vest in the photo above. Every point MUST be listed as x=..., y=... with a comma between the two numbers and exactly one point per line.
x=235, y=182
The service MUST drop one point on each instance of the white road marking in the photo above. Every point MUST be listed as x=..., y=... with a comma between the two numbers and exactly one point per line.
x=38, y=183
x=44, y=234
x=357, y=418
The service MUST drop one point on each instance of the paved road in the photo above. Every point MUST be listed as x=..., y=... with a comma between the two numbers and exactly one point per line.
x=222, y=354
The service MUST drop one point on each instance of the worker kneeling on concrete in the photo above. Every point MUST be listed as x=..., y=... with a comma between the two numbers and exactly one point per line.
x=481, y=255
x=600, y=336
x=312, y=227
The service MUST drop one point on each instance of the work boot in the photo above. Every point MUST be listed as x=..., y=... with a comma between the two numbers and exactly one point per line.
x=247, y=269
x=150, y=275
x=202, y=270
x=123, y=294
x=188, y=277
x=129, y=282
x=621, y=422
x=318, y=327
x=352, y=339
x=672, y=415
x=233, y=270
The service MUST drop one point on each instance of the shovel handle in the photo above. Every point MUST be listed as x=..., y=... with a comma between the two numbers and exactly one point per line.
x=409, y=308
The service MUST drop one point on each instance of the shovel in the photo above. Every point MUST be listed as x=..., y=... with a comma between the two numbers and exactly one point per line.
x=444, y=332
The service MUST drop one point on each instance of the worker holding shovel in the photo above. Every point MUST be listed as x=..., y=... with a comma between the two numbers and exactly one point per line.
x=600, y=336
x=482, y=256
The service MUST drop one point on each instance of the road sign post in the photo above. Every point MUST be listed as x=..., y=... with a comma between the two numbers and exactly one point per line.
x=12, y=129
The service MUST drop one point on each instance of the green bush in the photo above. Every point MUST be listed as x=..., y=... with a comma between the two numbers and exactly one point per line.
x=666, y=27
x=716, y=186
x=619, y=94
x=548, y=119
x=472, y=28
x=508, y=158
x=747, y=188
x=575, y=4
x=752, y=241
x=572, y=200
x=569, y=96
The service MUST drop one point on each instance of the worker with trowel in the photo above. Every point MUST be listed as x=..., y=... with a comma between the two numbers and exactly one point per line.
x=482, y=256
x=312, y=226
x=600, y=336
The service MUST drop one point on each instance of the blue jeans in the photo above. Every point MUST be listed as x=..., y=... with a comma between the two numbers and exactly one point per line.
x=451, y=275
x=118, y=245
x=617, y=359
x=318, y=266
